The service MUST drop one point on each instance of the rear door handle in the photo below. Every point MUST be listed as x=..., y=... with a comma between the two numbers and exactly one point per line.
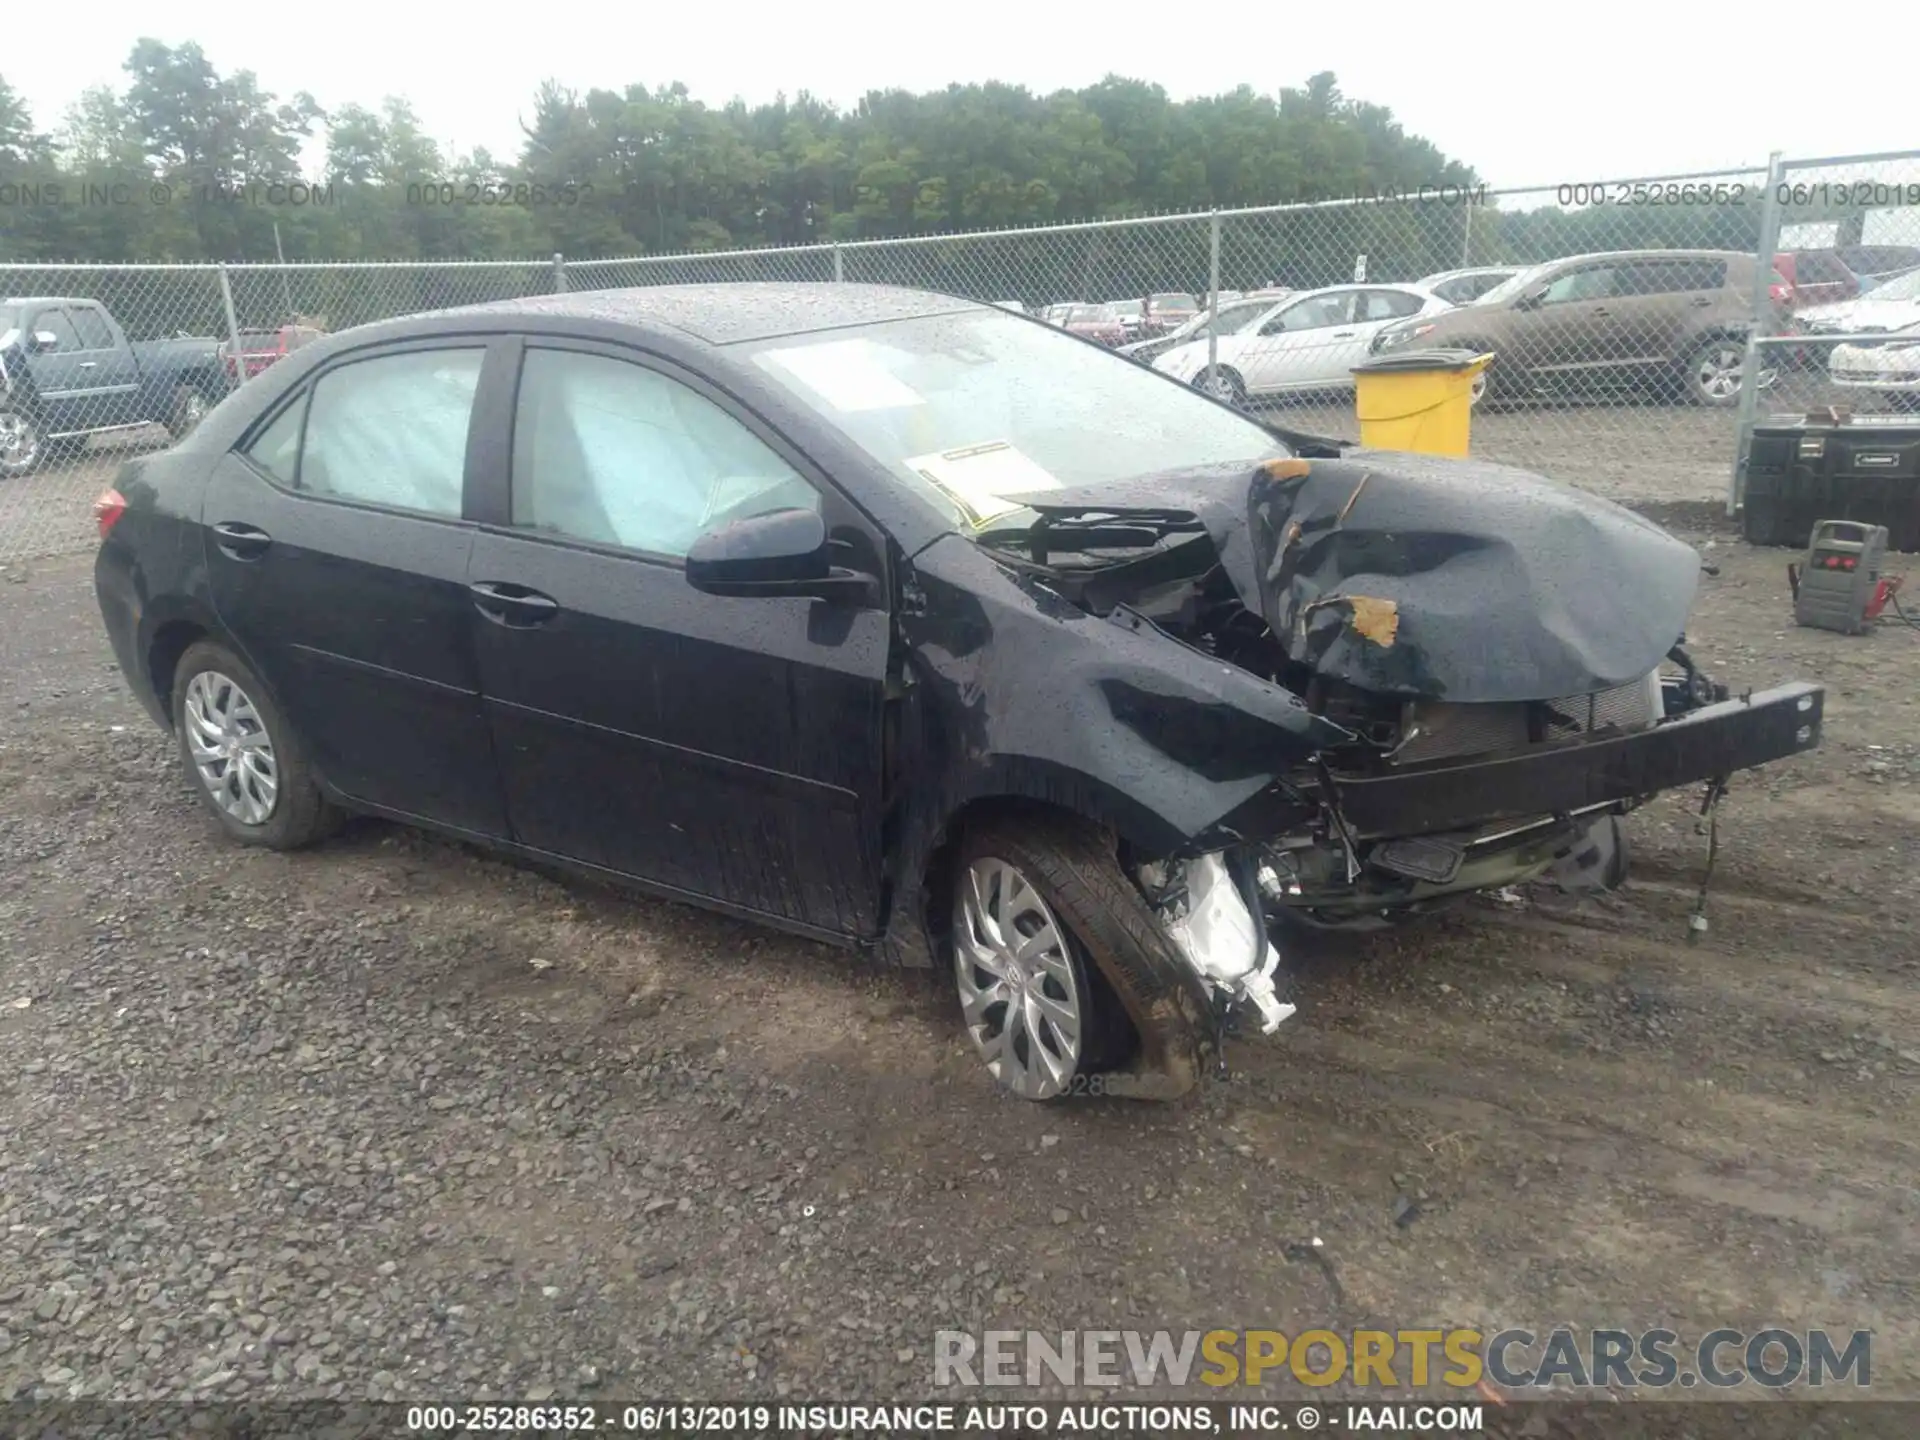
x=89, y=364
x=1601, y=314
x=1344, y=335
x=242, y=542
x=513, y=605
x=1702, y=301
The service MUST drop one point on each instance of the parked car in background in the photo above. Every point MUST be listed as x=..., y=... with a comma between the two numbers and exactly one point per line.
x=68, y=371
x=1097, y=323
x=1889, y=367
x=1234, y=315
x=1593, y=325
x=1168, y=312
x=1463, y=287
x=1014, y=305
x=262, y=348
x=1873, y=264
x=1891, y=305
x=1308, y=341
x=1814, y=277
x=894, y=621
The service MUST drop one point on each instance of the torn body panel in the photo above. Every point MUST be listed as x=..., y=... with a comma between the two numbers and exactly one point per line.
x=1417, y=577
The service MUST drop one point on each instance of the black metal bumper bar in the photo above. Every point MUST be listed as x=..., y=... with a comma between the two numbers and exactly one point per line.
x=1711, y=742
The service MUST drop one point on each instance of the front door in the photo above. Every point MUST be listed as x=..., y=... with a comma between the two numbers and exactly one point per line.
x=337, y=557
x=716, y=747
x=1301, y=345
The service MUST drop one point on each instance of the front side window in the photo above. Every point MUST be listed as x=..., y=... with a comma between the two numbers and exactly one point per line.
x=614, y=453
x=1596, y=282
x=393, y=430
x=92, y=327
x=56, y=324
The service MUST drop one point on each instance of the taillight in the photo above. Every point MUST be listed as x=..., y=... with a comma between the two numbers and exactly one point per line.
x=108, y=509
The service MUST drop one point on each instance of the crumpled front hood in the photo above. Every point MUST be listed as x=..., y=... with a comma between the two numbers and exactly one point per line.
x=1432, y=578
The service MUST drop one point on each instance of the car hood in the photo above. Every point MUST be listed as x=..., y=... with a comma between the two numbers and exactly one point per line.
x=1422, y=577
x=1864, y=314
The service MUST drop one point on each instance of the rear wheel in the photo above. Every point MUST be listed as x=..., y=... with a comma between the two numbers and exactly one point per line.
x=241, y=756
x=189, y=409
x=22, y=446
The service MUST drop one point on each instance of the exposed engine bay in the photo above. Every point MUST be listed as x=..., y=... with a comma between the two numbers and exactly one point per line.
x=1501, y=659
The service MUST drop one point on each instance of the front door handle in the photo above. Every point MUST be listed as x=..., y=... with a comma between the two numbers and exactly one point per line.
x=1601, y=314
x=1344, y=335
x=89, y=364
x=241, y=542
x=513, y=605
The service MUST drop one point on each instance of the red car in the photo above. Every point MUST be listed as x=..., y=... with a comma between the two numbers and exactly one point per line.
x=261, y=348
x=1813, y=277
x=1096, y=323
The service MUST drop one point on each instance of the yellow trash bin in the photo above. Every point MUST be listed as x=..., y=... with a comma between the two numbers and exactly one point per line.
x=1419, y=400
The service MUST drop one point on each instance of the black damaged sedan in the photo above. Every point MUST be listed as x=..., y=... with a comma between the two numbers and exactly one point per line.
x=910, y=624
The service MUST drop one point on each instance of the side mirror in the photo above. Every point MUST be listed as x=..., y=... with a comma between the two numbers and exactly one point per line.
x=44, y=341
x=784, y=552
x=1533, y=299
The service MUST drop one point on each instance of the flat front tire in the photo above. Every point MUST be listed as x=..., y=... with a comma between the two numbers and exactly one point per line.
x=241, y=756
x=1063, y=976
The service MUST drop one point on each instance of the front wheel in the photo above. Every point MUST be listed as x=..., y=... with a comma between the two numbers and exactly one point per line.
x=189, y=409
x=1223, y=384
x=241, y=756
x=1033, y=903
x=22, y=446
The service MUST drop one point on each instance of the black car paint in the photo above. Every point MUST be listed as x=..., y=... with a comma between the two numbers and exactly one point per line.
x=78, y=392
x=630, y=733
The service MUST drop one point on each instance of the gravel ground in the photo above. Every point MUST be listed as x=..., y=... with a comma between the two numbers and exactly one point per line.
x=392, y=1118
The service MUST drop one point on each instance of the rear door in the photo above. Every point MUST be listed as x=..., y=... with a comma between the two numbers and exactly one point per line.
x=724, y=748
x=1671, y=299
x=337, y=557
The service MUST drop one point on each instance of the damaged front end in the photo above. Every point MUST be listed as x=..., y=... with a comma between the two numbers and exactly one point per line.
x=1496, y=660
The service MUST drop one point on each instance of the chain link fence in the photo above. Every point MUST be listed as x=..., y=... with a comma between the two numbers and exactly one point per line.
x=1639, y=327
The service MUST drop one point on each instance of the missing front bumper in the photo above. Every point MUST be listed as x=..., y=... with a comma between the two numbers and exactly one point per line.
x=1714, y=741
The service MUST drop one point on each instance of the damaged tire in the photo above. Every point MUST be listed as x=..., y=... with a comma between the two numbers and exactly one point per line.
x=1066, y=983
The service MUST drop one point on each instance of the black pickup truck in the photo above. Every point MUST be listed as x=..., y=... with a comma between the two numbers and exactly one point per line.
x=67, y=371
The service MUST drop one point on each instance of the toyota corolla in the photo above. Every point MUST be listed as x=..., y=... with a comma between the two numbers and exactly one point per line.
x=909, y=624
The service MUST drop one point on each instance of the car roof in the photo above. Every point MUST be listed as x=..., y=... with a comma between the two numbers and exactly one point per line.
x=1644, y=255
x=734, y=312
x=1441, y=275
x=47, y=300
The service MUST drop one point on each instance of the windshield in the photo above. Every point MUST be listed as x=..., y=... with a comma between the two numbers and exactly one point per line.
x=1124, y=309
x=1515, y=284
x=968, y=409
x=1900, y=287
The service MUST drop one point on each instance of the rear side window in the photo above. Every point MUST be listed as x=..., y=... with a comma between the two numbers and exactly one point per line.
x=1388, y=305
x=614, y=453
x=276, y=449
x=95, y=333
x=393, y=430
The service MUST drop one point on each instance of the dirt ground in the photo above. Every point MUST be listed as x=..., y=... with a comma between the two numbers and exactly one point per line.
x=394, y=1118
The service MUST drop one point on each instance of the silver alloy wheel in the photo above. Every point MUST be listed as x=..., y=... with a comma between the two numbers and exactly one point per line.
x=1018, y=989
x=1219, y=384
x=231, y=748
x=193, y=410
x=1717, y=372
x=19, y=441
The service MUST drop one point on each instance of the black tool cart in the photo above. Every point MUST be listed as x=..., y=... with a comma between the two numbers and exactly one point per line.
x=1833, y=465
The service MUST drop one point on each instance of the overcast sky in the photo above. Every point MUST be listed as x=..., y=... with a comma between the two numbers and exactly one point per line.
x=1523, y=93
